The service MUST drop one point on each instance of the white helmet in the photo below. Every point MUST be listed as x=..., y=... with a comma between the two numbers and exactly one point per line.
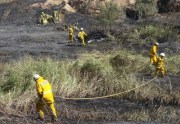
x=162, y=54
x=36, y=76
x=81, y=29
x=156, y=43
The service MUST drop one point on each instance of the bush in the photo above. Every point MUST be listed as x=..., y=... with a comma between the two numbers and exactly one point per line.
x=120, y=62
x=11, y=82
x=109, y=12
x=145, y=33
x=146, y=8
x=161, y=33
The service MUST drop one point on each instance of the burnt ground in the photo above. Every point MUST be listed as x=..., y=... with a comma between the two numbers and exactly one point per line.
x=38, y=41
x=20, y=36
x=103, y=111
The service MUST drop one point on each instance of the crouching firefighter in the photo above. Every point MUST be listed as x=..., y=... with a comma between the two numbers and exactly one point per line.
x=45, y=95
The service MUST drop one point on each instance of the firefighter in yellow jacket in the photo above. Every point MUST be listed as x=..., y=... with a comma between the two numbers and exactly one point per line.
x=43, y=19
x=45, y=95
x=71, y=33
x=160, y=65
x=153, y=53
x=81, y=36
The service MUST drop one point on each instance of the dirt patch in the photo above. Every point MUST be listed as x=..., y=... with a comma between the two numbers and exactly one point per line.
x=39, y=41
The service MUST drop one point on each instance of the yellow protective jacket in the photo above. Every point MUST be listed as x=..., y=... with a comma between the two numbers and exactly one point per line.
x=43, y=19
x=82, y=34
x=71, y=31
x=44, y=91
x=153, y=50
x=160, y=63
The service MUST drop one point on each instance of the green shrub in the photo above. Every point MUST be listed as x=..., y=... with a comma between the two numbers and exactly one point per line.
x=159, y=32
x=145, y=33
x=146, y=8
x=109, y=12
x=12, y=81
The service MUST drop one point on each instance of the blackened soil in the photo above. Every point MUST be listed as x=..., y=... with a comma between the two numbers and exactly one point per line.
x=39, y=41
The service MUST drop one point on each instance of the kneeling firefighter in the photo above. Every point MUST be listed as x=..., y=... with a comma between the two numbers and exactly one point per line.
x=45, y=95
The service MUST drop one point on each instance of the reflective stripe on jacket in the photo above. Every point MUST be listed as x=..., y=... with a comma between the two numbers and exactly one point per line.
x=159, y=63
x=43, y=88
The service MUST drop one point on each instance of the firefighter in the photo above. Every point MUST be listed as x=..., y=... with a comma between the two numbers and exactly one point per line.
x=81, y=36
x=71, y=33
x=160, y=65
x=44, y=92
x=153, y=53
x=43, y=19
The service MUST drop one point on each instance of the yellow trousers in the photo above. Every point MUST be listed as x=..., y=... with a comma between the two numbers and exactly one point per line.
x=153, y=59
x=40, y=108
x=82, y=41
x=160, y=70
x=70, y=38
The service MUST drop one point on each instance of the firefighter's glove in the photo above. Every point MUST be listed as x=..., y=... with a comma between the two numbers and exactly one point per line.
x=40, y=96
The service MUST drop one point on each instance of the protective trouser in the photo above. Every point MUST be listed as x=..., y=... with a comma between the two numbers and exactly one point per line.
x=160, y=70
x=82, y=41
x=70, y=38
x=40, y=109
x=153, y=59
x=44, y=21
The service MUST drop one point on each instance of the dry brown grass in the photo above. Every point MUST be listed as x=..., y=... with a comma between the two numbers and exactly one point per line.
x=90, y=76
